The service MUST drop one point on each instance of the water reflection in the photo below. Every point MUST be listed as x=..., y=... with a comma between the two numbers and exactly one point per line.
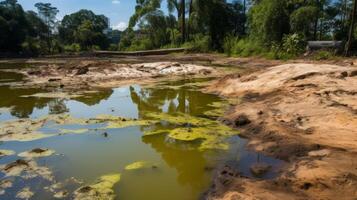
x=184, y=171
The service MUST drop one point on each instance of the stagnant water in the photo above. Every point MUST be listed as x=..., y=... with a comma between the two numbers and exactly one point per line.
x=180, y=170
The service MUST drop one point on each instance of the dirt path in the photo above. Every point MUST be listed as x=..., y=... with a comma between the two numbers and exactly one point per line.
x=305, y=114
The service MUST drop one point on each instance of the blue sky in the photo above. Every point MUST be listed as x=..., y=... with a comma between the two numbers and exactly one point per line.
x=118, y=11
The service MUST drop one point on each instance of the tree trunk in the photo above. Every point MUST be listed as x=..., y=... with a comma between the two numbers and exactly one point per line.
x=183, y=20
x=352, y=26
x=189, y=19
x=245, y=16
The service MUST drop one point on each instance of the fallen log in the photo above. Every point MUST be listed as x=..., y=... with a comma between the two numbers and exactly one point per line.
x=140, y=53
x=316, y=45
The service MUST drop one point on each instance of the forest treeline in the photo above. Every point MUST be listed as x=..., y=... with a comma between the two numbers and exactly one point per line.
x=272, y=28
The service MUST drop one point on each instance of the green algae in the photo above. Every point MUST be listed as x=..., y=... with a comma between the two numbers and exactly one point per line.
x=29, y=129
x=102, y=189
x=181, y=119
x=136, y=165
x=191, y=128
x=5, y=152
x=120, y=122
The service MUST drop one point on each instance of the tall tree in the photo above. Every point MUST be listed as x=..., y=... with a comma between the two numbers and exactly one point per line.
x=48, y=14
x=183, y=20
x=352, y=26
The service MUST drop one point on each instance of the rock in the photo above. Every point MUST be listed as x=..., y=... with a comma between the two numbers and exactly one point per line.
x=260, y=112
x=54, y=79
x=259, y=169
x=242, y=120
x=353, y=73
x=82, y=71
x=344, y=74
x=320, y=153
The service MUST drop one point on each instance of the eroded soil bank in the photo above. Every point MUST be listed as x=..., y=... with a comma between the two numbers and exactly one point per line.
x=305, y=114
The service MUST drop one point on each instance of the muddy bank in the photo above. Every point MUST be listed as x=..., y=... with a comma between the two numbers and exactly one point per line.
x=305, y=114
x=105, y=73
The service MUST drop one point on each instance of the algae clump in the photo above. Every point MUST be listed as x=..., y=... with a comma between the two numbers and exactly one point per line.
x=119, y=122
x=136, y=165
x=4, y=152
x=36, y=153
x=190, y=128
x=102, y=189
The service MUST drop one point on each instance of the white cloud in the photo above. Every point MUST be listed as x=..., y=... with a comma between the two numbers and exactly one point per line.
x=115, y=2
x=121, y=26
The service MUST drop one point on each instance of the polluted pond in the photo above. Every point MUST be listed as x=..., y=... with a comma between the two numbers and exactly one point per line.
x=162, y=141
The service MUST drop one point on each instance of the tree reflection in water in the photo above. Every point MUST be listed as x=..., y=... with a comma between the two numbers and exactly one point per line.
x=189, y=162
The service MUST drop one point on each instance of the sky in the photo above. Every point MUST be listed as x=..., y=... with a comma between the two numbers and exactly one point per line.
x=118, y=11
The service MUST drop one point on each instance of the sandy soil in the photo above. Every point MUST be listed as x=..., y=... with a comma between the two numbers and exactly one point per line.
x=305, y=114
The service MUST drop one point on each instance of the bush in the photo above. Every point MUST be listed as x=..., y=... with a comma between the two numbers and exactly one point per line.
x=140, y=44
x=248, y=47
x=75, y=47
x=113, y=47
x=95, y=48
x=293, y=44
x=31, y=47
x=229, y=44
x=322, y=55
x=199, y=43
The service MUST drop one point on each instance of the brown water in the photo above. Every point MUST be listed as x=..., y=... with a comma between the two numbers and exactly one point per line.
x=182, y=169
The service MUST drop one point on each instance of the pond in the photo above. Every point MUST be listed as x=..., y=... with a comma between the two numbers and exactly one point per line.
x=163, y=141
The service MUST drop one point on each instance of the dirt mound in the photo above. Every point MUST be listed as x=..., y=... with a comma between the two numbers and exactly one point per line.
x=298, y=112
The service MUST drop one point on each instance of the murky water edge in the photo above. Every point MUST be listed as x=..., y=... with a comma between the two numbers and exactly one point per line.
x=162, y=140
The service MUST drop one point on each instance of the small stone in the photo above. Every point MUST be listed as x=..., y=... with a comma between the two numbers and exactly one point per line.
x=105, y=134
x=242, y=120
x=353, y=73
x=344, y=74
x=259, y=169
x=260, y=112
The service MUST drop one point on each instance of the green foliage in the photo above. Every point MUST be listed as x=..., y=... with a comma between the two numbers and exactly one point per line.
x=229, y=44
x=302, y=20
x=269, y=21
x=85, y=28
x=199, y=43
x=72, y=48
x=322, y=55
x=113, y=47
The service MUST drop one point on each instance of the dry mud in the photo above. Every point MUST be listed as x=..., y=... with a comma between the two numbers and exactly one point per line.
x=86, y=73
x=305, y=114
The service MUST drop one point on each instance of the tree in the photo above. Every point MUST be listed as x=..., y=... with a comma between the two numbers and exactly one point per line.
x=269, y=21
x=183, y=20
x=48, y=14
x=352, y=26
x=84, y=27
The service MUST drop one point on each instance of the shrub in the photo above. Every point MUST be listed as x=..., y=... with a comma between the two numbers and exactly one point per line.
x=229, y=44
x=75, y=47
x=293, y=44
x=95, y=47
x=113, y=47
x=199, y=43
x=322, y=55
